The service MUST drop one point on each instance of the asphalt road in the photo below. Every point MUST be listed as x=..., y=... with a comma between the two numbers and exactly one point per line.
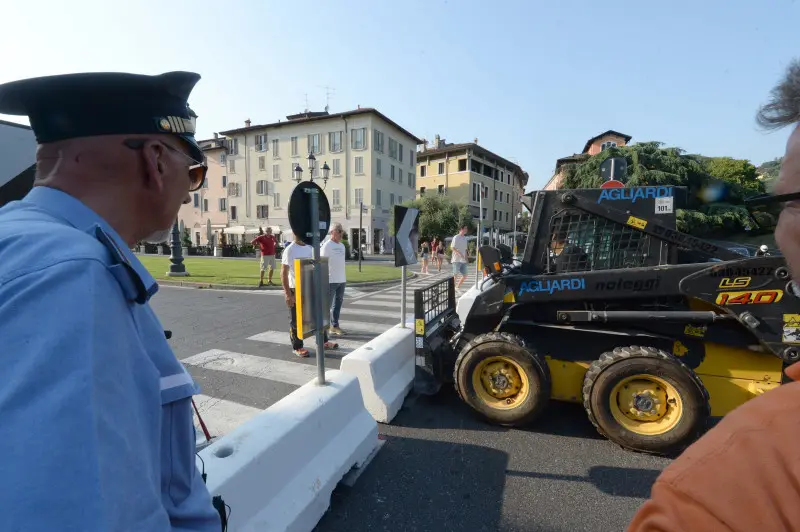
x=441, y=469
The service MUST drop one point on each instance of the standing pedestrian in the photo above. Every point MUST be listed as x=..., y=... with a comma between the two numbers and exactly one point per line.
x=426, y=253
x=335, y=251
x=266, y=242
x=97, y=415
x=459, y=258
x=296, y=250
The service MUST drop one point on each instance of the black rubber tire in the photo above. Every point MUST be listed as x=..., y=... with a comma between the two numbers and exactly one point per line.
x=513, y=347
x=605, y=372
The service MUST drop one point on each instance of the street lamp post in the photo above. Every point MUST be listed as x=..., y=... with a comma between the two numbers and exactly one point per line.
x=317, y=297
x=176, y=267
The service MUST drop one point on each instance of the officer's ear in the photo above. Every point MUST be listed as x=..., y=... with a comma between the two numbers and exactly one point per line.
x=155, y=163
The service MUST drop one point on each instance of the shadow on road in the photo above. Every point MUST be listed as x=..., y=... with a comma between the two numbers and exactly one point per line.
x=446, y=411
x=616, y=481
x=423, y=485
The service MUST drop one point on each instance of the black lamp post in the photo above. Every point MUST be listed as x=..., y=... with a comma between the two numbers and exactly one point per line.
x=176, y=267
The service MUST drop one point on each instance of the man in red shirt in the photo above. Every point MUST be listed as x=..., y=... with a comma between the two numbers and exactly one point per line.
x=267, y=244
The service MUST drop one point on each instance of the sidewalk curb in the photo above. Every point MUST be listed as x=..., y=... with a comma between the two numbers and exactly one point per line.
x=239, y=287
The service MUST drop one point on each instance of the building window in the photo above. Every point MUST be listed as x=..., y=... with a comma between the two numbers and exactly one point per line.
x=441, y=190
x=276, y=172
x=233, y=146
x=261, y=187
x=378, y=167
x=261, y=143
x=358, y=195
x=400, y=152
x=392, y=148
x=262, y=211
x=359, y=137
x=411, y=158
x=205, y=205
x=508, y=197
x=337, y=167
x=506, y=217
x=313, y=144
x=294, y=146
x=205, y=182
x=196, y=199
x=484, y=214
x=222, y=158
x=399, y=175
x=262, y=163
x=232, y=165
x=233, y=190
x=441, y=168
x=335, y=141
x=400, y=200
x=336, y=197
x=223, y=204
x=391, y=198
x=462, y=165
x=377, y=197
x=276, y=200
x=224, y=181
x=377, y=140
x=411, y=183
x=233, y=212
x=359, y=165
x=391, y=173
x=275, y=149
x=475, y=192
x=422, y=171
x=608, y=144
x=421, y=191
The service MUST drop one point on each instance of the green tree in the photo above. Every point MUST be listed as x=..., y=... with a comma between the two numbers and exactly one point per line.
x=439, y=216
x=650, y=163
x=769, y=172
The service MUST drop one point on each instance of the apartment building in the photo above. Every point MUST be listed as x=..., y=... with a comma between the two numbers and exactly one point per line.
x=459, y=170
x=593, y=146
x=206, y=216
x=371, y=159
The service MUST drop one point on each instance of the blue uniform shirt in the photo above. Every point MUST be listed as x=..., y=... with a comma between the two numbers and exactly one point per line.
x=96, y=425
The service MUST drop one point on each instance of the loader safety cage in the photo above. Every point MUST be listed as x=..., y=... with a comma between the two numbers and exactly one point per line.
x=434, y=305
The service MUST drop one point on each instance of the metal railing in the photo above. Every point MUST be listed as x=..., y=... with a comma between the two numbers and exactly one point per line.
x=432, y=303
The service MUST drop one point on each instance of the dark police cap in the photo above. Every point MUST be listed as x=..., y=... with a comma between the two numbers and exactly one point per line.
x=104, y=103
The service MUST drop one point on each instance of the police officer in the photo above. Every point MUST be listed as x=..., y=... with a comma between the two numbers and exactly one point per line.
x=95, y=410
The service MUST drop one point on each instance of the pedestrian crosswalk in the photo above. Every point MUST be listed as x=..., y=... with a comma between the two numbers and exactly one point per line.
x=251, y=373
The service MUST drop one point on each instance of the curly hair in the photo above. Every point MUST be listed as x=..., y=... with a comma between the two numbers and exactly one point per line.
x=783, y=109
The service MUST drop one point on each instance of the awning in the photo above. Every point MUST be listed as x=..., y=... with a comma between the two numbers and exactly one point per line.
x=235, y=230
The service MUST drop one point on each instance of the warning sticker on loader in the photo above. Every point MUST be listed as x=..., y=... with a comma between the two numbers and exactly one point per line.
x=664, y=205
x=638, y=223
x=420, y=327
x=791, y=328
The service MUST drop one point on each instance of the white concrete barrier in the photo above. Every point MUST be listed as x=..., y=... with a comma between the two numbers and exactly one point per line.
x=278, y=470
x=385, y=370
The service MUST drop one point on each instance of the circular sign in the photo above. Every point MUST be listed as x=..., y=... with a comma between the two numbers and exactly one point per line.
x=612, y=183
x=300, y=211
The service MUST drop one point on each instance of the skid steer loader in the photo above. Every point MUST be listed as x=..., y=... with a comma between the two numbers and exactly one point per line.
x=652, y=330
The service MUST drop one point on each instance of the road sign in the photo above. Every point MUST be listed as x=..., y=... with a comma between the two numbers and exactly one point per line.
x=615, y=168
x=474, y=210
x=613, y=184
x=304, y=295
x=406, y=223
x=300, y=207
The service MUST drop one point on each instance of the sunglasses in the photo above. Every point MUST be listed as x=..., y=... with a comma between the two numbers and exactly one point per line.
x=197, y=169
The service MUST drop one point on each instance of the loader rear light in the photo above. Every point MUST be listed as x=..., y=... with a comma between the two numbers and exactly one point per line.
x=498, y=268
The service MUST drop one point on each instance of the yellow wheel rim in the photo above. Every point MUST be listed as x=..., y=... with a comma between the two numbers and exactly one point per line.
x=646, y=405
x=500, y=382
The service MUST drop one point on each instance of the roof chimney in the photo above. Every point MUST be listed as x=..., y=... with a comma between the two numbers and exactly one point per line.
x=247, y=123
x=216, y=135
x=436, y=141
x=424, y=144
x=476, y=140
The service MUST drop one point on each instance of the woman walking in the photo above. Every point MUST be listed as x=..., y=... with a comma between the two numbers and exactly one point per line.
x=426, y=251
x=439, y=253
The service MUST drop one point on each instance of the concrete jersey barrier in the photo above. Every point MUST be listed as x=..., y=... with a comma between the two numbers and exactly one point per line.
x=277, y=471
x=385, y=370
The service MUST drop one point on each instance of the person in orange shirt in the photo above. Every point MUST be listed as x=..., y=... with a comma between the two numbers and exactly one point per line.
x=744, y=474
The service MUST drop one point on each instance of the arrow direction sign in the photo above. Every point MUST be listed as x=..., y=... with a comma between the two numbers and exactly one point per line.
x=406, y=221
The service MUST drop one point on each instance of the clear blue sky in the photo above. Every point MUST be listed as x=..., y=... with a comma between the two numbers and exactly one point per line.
x=532, y=80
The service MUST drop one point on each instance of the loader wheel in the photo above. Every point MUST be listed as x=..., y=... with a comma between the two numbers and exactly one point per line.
x=502, y=380
x=644, y=399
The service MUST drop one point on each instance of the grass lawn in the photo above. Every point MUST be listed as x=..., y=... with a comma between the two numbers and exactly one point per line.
x=246, y=272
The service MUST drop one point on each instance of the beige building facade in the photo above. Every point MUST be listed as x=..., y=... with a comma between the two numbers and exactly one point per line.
x=206, y=215
x=459, y=170
x=371, y=158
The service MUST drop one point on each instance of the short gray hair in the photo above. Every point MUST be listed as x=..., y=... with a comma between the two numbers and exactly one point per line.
x=783, y=109
x=336, y=227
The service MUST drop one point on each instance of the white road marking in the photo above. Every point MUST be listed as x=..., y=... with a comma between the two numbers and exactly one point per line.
x=253, y=366
x=221, y=416
x=378, y=303
x=367, y=313
x=364, y=327
x=282, y=338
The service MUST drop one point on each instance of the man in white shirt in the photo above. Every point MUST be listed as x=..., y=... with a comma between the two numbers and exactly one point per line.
x=296, y=250
x=459, y=258
x=334, y=250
